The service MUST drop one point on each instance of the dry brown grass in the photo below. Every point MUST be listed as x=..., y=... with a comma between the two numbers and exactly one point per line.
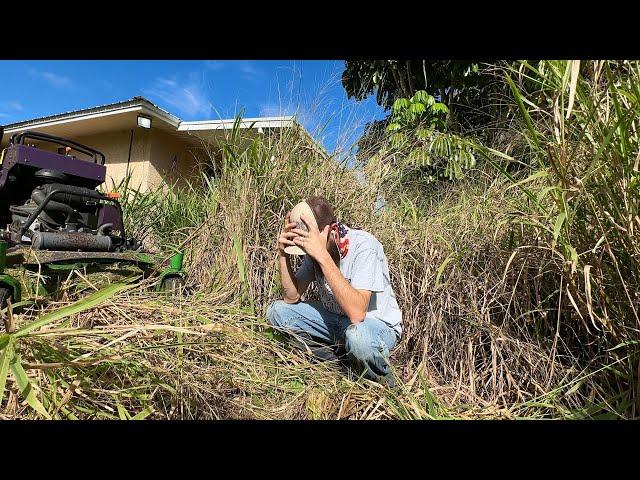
x=488, y=332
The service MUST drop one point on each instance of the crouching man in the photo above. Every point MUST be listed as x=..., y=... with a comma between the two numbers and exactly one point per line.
x=358, y=313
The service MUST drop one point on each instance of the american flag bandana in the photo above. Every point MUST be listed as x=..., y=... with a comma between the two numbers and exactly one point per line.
x=343, y=242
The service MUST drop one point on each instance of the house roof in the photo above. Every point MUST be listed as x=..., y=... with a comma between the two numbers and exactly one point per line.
x=153, y=109
x=100, y=109
x=106, y=117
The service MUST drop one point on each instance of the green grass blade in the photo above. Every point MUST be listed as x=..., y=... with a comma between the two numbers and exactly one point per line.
x=26, y=388
x=523, y=111
x=122, y=413
x=558, y=225
x=485, y=152
x=5, y=338
x=450, y=258
x=91, y=301
x=143, y=414
x=5, y=359
x=530, y=178
x=618, y=109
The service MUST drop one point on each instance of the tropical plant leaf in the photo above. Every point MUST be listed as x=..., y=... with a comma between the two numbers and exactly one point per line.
x=421, y=96
x=439, y=108
x=400, y=104
x=26, y=387
x=558, y=225
x=417, y=108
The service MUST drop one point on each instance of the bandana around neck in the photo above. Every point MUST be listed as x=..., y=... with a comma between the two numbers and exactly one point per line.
x=343, y=242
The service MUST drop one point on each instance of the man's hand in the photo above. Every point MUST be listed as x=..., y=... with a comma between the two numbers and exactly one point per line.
x=286, y=235
x=313, y=242
x=292, y=289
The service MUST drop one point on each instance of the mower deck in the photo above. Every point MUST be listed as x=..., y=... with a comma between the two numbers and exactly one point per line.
x=29, y=257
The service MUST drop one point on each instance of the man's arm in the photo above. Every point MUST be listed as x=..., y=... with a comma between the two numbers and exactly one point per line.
x=293, y=288
x=354, y=303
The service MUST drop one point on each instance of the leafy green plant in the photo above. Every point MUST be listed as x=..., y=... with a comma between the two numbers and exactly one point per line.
x=419, y=146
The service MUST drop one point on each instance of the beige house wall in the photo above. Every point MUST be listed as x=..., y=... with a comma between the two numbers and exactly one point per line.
x=115, y=146
x=173, y=160
x=155, y=156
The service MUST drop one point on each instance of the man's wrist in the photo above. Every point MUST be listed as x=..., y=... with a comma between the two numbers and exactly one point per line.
x=324, y=259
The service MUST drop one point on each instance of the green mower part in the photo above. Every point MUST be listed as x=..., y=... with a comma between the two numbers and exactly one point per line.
x=9, y=286
x=172, y=278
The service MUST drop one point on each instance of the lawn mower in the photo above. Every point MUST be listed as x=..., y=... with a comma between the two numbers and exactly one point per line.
x=57, y=220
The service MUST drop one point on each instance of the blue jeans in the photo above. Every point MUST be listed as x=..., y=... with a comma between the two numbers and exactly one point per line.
x=366, y=344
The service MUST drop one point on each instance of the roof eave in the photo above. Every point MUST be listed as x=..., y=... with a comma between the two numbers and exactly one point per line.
x=142, y=106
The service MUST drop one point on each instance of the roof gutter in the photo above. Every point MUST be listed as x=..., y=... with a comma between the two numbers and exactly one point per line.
x=268, y=122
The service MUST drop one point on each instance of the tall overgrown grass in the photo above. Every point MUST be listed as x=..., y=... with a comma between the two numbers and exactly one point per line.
x=580, y=218
x=518, y=284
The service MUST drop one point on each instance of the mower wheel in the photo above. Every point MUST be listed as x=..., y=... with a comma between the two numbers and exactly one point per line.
x=5, y=295
x=172, y=285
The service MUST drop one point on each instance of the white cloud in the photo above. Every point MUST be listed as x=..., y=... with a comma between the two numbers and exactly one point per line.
x=55, y=80
x=11, y=105
x=248, y=69
x=188, y=98
x=9, y=109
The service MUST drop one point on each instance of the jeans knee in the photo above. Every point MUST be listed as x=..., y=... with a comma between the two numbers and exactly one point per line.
x=274, y=313
x=358, y=342
x=366, y=350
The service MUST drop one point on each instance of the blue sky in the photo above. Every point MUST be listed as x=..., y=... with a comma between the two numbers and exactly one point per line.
x=192, y=90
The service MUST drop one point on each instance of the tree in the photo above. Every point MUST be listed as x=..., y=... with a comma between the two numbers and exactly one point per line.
x=418, y=147
x=464, y=86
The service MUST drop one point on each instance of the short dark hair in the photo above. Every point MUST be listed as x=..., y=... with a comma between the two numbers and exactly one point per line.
x=322, y=211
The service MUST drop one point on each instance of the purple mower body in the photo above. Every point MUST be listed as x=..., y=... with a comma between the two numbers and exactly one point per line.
x=49, y=200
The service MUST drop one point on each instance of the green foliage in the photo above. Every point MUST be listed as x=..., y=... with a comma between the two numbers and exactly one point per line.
x=421, y=109
x=166, y=211
x=589, y=147
x=391, y=80
x=11, y=343
x=566, y=141
x=417, y=145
